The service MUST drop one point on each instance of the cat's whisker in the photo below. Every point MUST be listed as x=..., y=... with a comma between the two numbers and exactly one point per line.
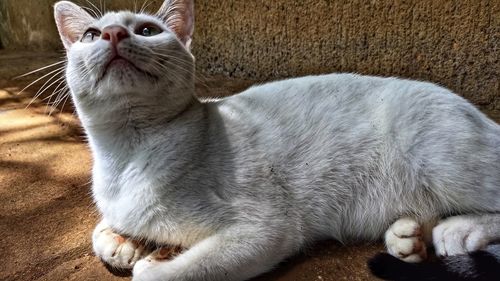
x=144, y=6
x=60, y=94
x=34, y=82
x=39, y=94
x=178, y=79
x=82, y=71
x=171, y=54
x=186, y=64
x=171, y=64
x=90, y=11
x=53, y=106
x=178, y=66
x=97, y=8
x=66, y=94
x=170, y=9
x=181, y=62
x=45, y=86
x=39, y=69
x=95, y=11
x=135, y=6
x=157, y=67
x=56, y=91
x=59, y=98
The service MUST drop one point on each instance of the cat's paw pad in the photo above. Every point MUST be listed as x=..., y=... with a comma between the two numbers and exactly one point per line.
x=404, y=240
x=458, y=235
x=164, y=253
x=116, y=250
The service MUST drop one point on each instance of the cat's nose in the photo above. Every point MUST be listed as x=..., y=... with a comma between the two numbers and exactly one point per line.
x=115, y=34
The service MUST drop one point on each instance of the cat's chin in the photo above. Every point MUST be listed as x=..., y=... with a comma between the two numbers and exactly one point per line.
x=121, y=84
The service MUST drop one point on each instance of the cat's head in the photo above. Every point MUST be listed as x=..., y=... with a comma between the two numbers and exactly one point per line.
x=125, y=53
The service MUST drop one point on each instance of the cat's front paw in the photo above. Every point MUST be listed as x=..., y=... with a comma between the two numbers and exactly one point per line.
x=114, y=249
x=459, y=235
x=150, y=267
x=404, y=240
x=144, y=270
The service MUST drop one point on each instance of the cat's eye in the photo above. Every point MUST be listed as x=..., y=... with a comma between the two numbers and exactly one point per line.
x=91, y=35
x=149, y=30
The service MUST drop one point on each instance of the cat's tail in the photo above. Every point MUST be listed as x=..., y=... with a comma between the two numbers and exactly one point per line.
x=482, y=265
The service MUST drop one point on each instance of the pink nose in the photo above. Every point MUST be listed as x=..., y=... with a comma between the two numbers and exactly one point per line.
x=115, y=34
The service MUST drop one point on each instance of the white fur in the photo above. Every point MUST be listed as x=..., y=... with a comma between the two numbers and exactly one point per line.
x=404, y=239
x=465, y=234
x=246, y=181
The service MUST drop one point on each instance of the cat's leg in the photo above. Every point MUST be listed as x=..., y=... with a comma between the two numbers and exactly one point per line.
x=114, y=249
x=236, y=254
x=467, y=233
x=406, y=239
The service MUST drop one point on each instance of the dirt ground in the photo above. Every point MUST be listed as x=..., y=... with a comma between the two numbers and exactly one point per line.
x=46, y=212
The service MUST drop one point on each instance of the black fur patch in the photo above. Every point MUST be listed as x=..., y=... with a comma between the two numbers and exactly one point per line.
x=482, y=265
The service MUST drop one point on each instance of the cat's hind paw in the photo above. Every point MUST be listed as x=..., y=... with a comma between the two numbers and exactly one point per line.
x=404, y=240
x=115, y=250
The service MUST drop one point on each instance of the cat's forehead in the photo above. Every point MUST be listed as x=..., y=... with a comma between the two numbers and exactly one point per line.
x=126, y=18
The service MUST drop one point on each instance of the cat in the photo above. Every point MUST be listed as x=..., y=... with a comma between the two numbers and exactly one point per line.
x=243, y=182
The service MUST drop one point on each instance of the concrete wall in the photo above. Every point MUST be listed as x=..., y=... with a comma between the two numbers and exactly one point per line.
x=29, y=24
x=455, y=43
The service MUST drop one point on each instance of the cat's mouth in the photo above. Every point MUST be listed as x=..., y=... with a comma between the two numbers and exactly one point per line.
x=120, y=62
x=117, y=61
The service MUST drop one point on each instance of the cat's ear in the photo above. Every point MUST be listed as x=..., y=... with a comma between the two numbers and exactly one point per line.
x=71, y=21
x=178, y=15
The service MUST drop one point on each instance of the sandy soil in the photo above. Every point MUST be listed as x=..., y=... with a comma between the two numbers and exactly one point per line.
x=47, y=215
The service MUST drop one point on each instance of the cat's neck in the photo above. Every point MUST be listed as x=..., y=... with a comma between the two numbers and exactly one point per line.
x=123, y=127
x=154, y=144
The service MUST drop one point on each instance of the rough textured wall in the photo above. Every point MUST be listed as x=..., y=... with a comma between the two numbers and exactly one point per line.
x=29, y=24
x=455, y=43
x=2, y=23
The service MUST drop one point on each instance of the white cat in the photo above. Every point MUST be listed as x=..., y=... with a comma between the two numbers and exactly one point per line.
x=244, y=182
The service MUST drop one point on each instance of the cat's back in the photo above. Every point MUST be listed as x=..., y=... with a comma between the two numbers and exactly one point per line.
x=343, y=99
x=344, y=90
x=354, y=114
